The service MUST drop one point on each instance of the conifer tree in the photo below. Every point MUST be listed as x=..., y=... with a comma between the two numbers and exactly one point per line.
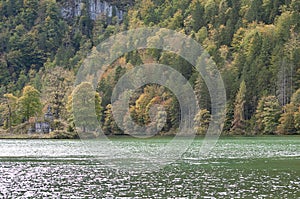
x=267, y=115
x=9, y=112
x=110, y=126
x=201, y=121
x=238, y=123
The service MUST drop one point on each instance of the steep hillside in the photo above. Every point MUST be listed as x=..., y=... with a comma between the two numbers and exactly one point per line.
x=255, y=44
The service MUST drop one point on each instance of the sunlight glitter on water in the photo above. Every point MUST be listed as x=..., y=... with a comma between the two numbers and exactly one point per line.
x=236, y=168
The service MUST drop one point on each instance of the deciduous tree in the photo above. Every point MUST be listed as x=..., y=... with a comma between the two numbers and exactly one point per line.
x=86, y=109
x=29, y=103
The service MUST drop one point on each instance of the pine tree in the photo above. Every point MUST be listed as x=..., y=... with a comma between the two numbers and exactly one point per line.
x=202, y=94
x=85, y=22
x=56, y=87
x=70, y=120
x=29, y=12
x=98, y=107
x=259, y=115
x=9, y=112
x=267, y=115
x=254, y=12
x=238, y=123
x=197, y=12
x=110, y=126
x=210, y=11
x=201, y=121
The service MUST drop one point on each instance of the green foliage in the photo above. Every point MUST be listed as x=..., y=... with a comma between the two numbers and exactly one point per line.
x=296, y=98
x=29, y=104
x=289, y=120
x=201, y=121
x=150, y=96
x=287, y=125
x=255, y=41
x=62, y=134
x=238, y=123
x=202, y=94
x=29, y=12
x=197, y=13
x=56, y=84
x=254, y=12
x=85, y=22
x=297, y=120
x=9, y=110
x=98, y=107
x=267, y=115
x=110, y=126
x=85, y=109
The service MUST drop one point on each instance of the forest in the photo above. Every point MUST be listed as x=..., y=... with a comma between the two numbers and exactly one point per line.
x=255, y=45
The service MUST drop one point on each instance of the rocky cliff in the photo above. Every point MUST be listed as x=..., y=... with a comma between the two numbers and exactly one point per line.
x=95, y=8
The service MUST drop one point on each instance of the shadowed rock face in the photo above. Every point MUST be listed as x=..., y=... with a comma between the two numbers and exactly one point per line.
x=96, y=8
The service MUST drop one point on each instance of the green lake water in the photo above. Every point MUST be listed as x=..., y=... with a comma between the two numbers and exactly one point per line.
x=238, y=167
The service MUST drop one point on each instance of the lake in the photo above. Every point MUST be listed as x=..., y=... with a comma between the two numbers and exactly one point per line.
x=237, y=167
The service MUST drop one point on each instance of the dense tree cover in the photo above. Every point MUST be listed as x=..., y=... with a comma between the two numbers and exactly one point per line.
x=255, y=44
x=16, y=110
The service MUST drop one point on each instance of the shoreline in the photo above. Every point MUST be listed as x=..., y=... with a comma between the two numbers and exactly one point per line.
x=24, y=136
x=48, y=136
